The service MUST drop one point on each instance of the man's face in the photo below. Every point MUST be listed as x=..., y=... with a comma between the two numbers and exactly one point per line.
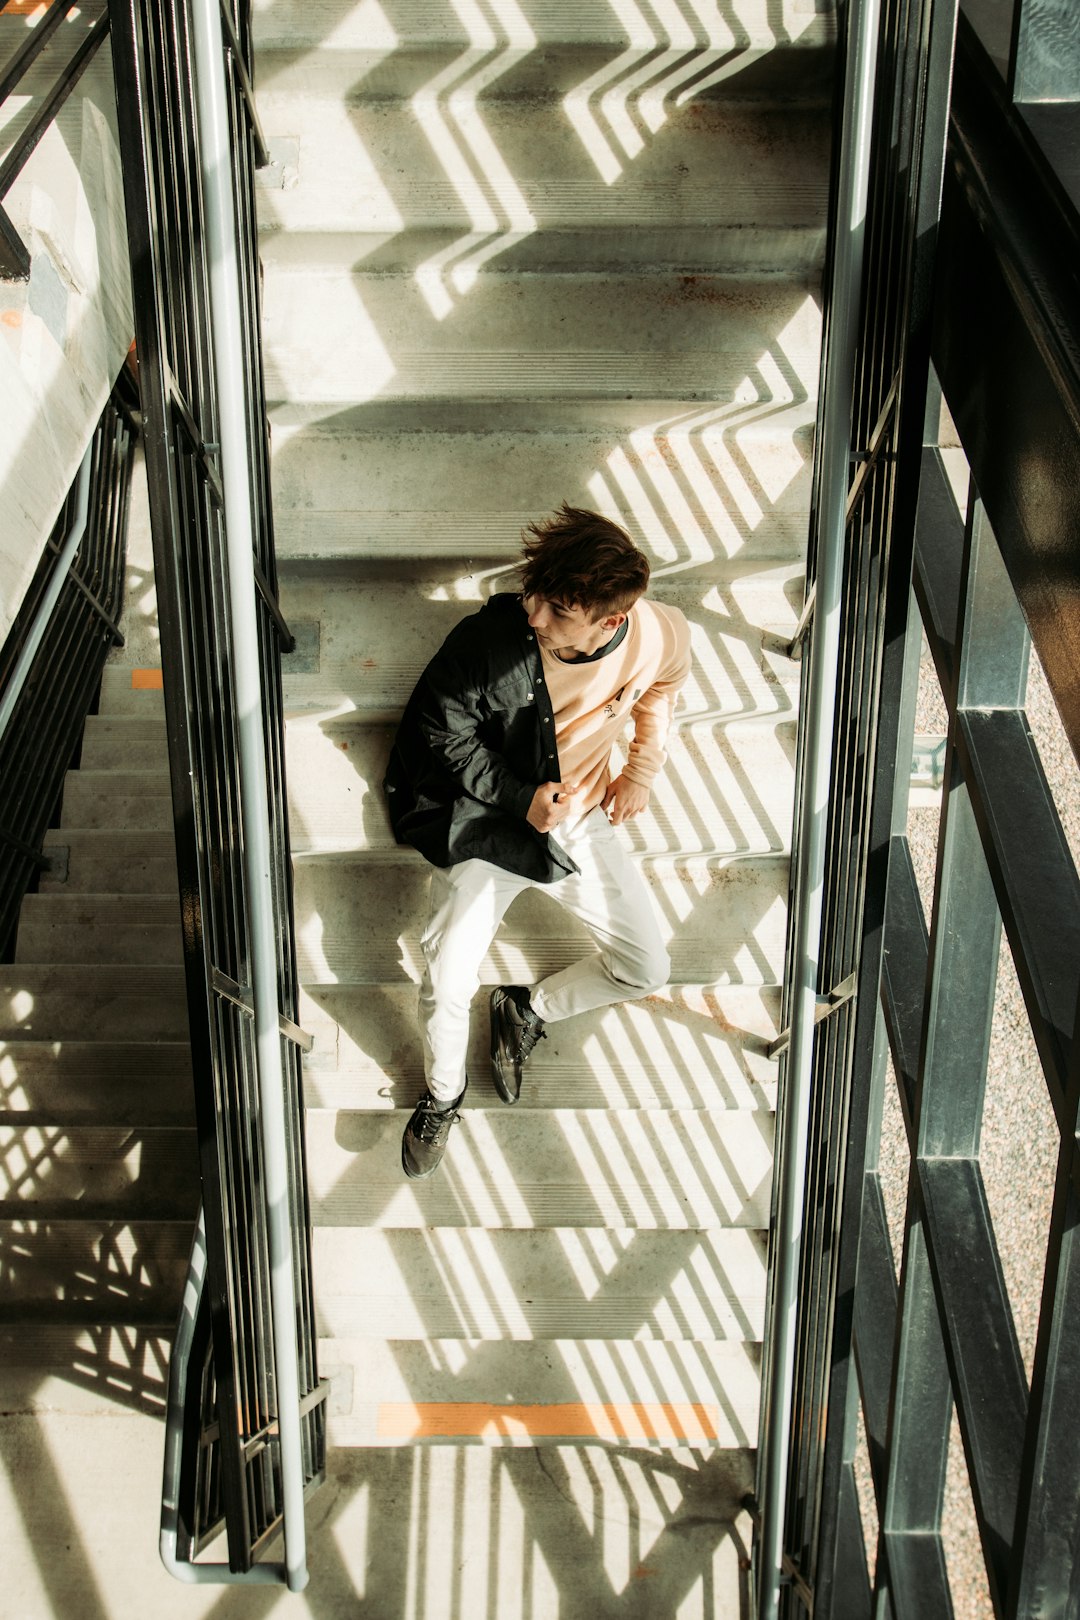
x=561, y=627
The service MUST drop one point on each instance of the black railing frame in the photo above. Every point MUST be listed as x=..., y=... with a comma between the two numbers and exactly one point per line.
x=239, y=1481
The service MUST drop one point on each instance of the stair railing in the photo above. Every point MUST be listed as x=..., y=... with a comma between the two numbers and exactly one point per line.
x=51, y=662
x=14, y=258
x=246, y=1436
x=862, y=526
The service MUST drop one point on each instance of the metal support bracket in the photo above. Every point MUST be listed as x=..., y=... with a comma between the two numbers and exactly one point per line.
x=794, y=646
x=825, y=1005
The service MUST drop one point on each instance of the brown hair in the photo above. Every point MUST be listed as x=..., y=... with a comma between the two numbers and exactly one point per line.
x=583, y=560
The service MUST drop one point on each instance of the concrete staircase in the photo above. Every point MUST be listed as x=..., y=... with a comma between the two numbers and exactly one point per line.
x=514, y=253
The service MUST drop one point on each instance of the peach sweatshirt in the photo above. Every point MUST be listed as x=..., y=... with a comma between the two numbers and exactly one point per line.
x=592, y=701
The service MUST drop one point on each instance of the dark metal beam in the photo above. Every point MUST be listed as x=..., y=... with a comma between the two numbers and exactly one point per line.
x=980, y=1342
x=1010, y=262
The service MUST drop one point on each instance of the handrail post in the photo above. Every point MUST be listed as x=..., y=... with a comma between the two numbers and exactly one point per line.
x=838, y=375
x=229, y=363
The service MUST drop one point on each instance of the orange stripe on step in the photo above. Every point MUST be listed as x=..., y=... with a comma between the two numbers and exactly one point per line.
x=146, y=680
x=690, y=1423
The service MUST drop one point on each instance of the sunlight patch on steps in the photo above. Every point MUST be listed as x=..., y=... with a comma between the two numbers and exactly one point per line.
x=448, y=112
x=351, y=1532
x=300, y=319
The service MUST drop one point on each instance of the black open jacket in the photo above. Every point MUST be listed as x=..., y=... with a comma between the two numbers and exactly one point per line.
x=475, y=742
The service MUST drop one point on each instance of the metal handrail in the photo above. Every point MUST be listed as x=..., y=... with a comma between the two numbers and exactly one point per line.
x=184, y=1358
x=240, y=503
x=14, y=258
x=838, y=372
x=248, y=1428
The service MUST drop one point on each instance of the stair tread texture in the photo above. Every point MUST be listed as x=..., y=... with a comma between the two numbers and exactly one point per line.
x=393, y=169
x=504, y=1168
x=460, y=1390
x=722, y=486
x=726, y=789
x=723, y=921
x=355, y=338
x=304, y=24
x=689, y=1047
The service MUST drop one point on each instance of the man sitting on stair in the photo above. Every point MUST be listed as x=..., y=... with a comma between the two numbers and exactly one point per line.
x=499, y=776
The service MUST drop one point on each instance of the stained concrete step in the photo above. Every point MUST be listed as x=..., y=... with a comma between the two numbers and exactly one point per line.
x=121, y=798
x=372, y=343
x=547, y=1283
x=534, y=1168
x=140, y=929
x=713, y=485
x=93, y=1270
x=452, y=1391
x=362, y=650
x=443, y=187
x=359, y=923
x=107, y=860
x=125, y=691
x=89, y=1002
x=98, y=1171
x=694, y=1047
x=77, y=1082
x=726, y=789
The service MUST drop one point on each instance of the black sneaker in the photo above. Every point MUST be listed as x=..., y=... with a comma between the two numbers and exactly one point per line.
x=515, y=1030
x=424, y=1141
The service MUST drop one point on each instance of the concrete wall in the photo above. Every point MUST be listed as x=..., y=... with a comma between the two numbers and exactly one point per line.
x=64, y=333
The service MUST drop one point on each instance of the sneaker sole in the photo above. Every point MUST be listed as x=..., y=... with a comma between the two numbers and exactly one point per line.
x=497, y=1079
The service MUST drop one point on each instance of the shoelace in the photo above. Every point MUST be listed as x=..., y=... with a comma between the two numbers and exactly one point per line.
x=431, y=1123
x=530, y=1034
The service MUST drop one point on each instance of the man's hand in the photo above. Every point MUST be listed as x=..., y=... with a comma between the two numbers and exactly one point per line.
x=550, y=805
x=624, y=799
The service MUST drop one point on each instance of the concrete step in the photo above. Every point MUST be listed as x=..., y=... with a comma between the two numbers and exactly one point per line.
x=688, y=1048
x=106, y=860
x=128, y=692
x=361, y=649
x=384, y=42
x=93, y=1270
x=79, y=1082
x=105, y=728
x=442, y=186
x=547, y=1283
x=427, y=1532
x=105, y=1172
x=535, y=1168
x=139, y=929
x=132, y=799
x=495, y=1394
x=714, y=485
x=90, y=1002
x=726, y=789
x=87, y=1368
x=116, y=749
x=372, y=344
x=360, y=923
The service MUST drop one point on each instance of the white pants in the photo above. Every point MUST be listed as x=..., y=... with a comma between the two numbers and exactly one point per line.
x=468, y=902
